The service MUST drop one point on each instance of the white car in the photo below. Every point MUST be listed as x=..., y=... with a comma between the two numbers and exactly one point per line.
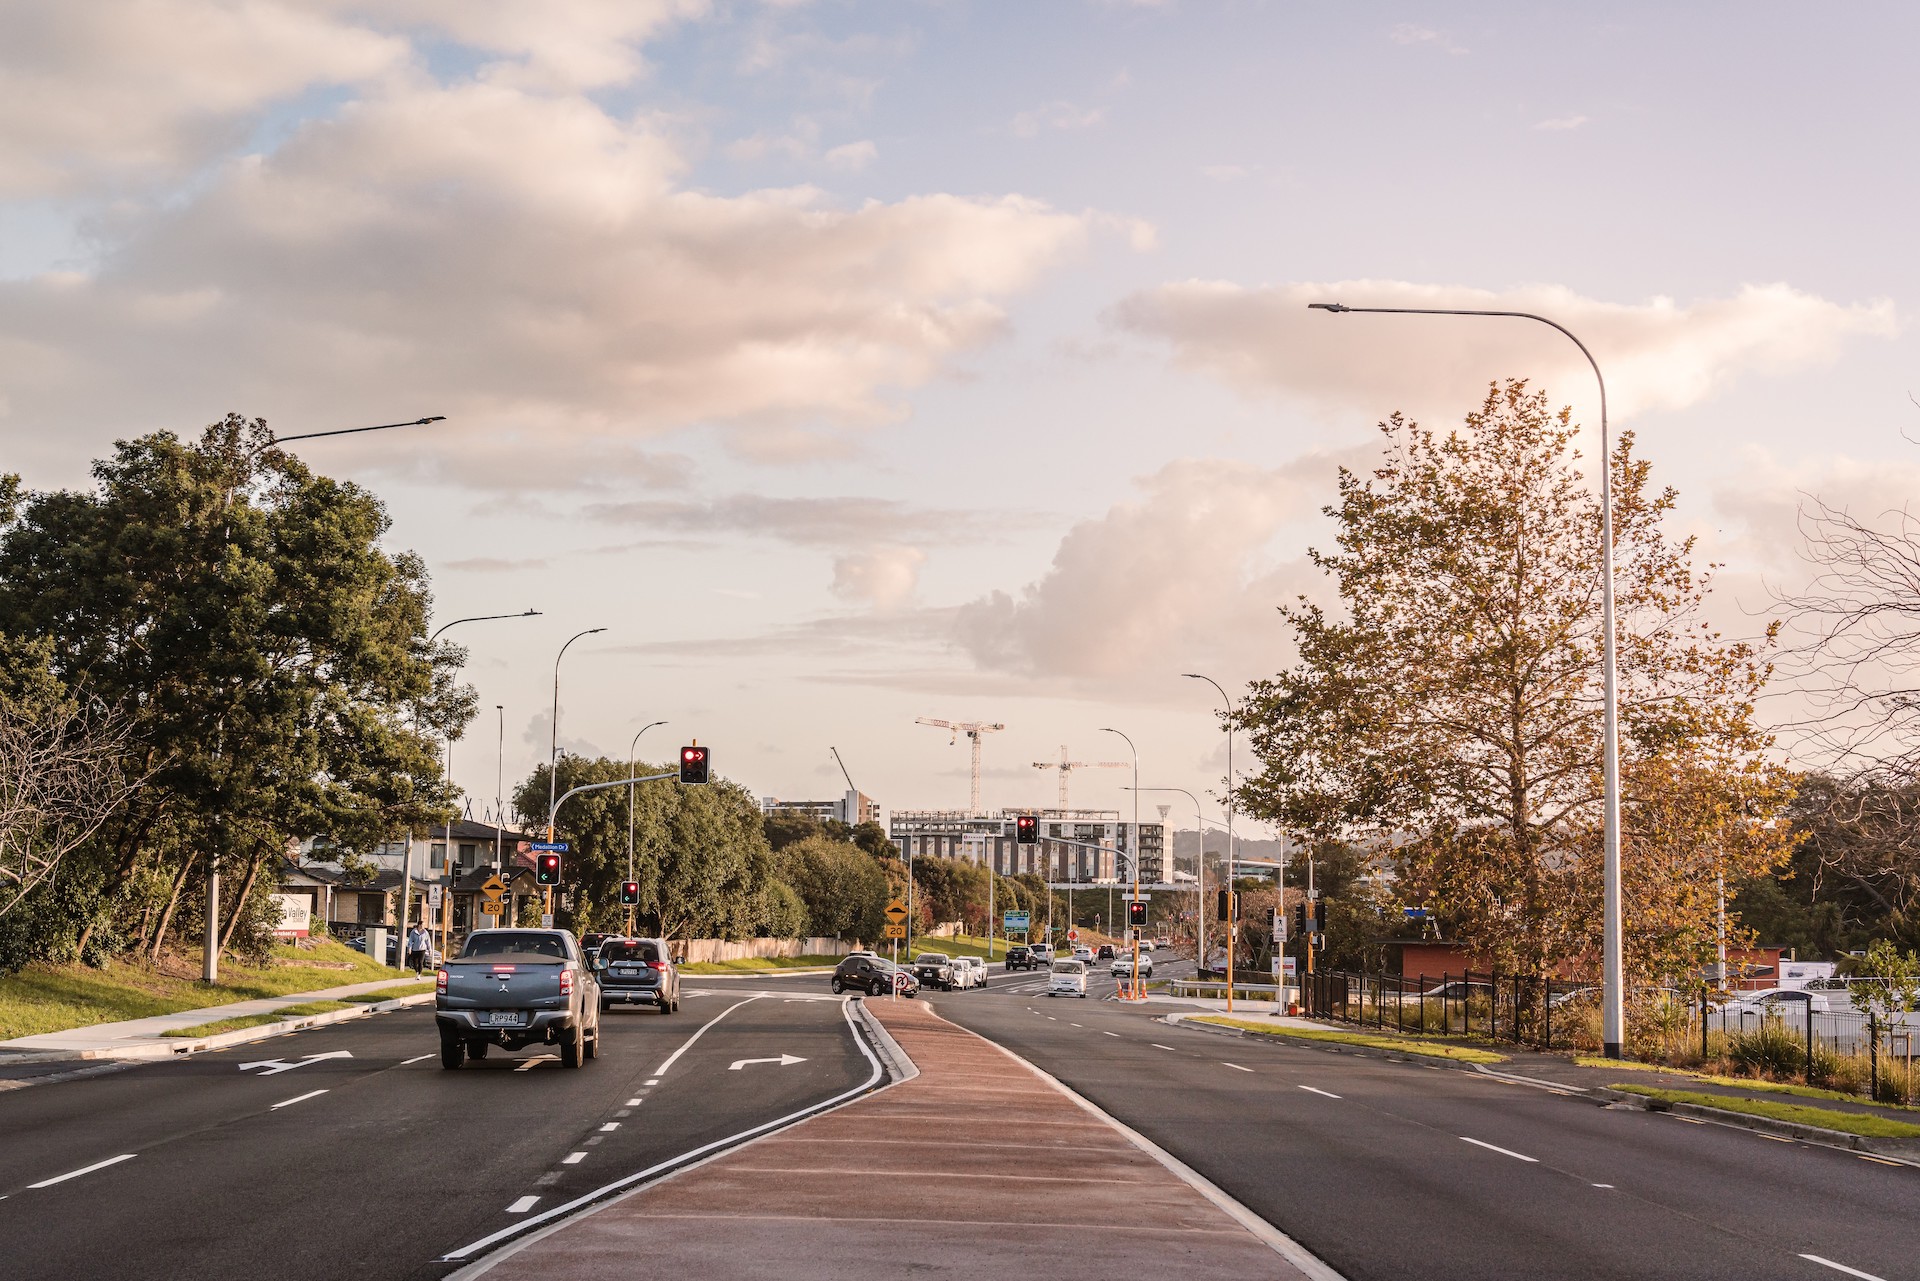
x=1123, y=965
x=1083, y=954
x=1778, y=1001
x=969, y=971
x=1042, y=951
x=1067, y=978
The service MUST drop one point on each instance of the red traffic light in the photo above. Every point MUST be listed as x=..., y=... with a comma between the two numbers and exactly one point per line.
x=546, y=869
x=1026, y=829
x=1136, y=913
x=629, y=893
x=694, y=763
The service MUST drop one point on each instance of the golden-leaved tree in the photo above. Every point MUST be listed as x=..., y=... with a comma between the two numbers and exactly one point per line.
x=1453, y=709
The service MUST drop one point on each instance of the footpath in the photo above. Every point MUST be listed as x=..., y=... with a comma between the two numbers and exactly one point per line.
x=924, y=1178
x=137, y=1039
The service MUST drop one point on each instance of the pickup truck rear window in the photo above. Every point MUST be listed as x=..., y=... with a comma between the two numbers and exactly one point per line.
x=511, y=942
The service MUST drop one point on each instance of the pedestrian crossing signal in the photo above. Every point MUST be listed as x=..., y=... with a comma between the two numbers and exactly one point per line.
x=1026, y=830
x=693, y=764
x=629, y=893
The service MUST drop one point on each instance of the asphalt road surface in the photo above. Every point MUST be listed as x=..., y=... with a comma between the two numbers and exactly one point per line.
x=365, y=1158
x=1391, y=1169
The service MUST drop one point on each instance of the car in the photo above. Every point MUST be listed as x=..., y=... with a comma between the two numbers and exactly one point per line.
x=1067, y=978
x=1146, y=945
x=1105, y=952
x=1021, y=957
x=935, y=969
x=1123, y=966
x=514, y=988
x=1778, y=1001
x=1161, y=945
x=590, y=944
x=1043, y=953
x=969, y=971
x=638, y=972
x=874, y=975
x=1083, y=954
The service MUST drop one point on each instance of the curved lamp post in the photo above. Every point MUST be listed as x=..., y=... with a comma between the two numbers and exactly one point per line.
x=1613, y=982
x=1233, y=925
x=633, y=747
x=1133, y=856
x=553, y=730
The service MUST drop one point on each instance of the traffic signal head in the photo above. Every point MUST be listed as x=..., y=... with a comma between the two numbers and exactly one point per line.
x=546, y=869
x=629, y=893
x=1026, y=830
x=1136, y=913
x=1225, y=905
x=1319, y=916
x=693, y=764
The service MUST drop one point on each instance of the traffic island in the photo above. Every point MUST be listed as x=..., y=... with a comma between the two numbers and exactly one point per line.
x=979, y=1166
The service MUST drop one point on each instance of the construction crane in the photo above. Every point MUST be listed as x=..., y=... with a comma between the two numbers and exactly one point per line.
x=973, y=730
x=1067, y=767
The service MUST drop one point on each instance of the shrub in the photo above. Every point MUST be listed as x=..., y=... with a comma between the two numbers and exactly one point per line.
x=1769, y=1050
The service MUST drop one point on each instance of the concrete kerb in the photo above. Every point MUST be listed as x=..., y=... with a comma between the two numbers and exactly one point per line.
x=158, y=1050
x=1273, y=1238
x=899, y=1066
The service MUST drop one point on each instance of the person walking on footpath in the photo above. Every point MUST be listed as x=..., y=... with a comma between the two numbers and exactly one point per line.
x=417, y=945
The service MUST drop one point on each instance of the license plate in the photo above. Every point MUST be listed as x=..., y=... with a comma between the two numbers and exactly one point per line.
x=626, y=971
x=505, y=1018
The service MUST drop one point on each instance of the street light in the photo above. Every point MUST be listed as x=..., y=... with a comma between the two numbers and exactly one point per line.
x=210, y=951
x=1200, y=886
x=1613, y=982
x=1133, y=853
x=632, y=747
x=1233, y=925
x=553, y=735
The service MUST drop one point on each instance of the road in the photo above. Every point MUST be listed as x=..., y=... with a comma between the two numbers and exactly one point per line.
x=366, y=1158
x=1394, y=1169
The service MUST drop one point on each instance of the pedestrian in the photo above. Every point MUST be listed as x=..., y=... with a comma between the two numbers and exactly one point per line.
x=417, y=945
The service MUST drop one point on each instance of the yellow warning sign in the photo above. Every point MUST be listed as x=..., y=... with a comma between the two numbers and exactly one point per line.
x=896, y=931
x=897, y=914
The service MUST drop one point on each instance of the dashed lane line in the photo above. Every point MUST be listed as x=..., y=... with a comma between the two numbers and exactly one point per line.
x=609, y=1127
x=1841, y=1267
x=1156, y=1045
x=422, y=1058
x=1518, y=1156
x=573, y=1158
x=536, y=1061
x=85, y=1169
x=1107, y=1033
x=298, y=1098
x=1311, y=1089
x=524, y=1204
x=1235, y=1066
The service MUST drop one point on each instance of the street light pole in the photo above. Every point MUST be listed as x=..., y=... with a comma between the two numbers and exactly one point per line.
x=1613, y=979
x=633, y=747
x=1233, y=925
x=210, y=948
x=553, y=727
x=499, y=781
x=1133, y=856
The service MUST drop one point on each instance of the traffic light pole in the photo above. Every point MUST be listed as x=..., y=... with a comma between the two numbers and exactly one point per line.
x=593, y=787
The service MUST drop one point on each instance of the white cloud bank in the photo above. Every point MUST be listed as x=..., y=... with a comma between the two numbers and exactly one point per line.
x=1656, y=355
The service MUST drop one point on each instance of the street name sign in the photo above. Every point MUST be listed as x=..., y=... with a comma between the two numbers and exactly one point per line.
x=550, y=847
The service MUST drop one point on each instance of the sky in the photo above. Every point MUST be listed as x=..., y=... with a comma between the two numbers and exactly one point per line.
x=851, y=363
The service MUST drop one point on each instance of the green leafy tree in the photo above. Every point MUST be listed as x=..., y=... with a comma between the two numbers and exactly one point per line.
x=1452, y=708
x=842, y=887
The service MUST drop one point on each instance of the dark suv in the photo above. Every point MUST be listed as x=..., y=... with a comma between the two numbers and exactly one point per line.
x=1021, y=957
x=638, y=972
x=865, y=972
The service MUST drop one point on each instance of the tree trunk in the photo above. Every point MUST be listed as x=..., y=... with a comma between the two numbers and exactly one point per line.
x=173, y=901
x=240, y=900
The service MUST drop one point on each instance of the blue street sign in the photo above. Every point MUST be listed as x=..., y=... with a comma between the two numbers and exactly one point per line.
x=1416, y=913
x=549, y=847
x=1015, y=920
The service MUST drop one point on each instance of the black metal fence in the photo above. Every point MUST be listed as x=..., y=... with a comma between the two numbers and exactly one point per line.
x=1497, y=1007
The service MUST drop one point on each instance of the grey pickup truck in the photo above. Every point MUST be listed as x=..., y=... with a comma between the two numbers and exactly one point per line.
x=515, y=988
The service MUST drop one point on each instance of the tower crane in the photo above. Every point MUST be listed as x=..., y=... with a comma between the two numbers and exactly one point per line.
x=973, y=730
x=1067, y=767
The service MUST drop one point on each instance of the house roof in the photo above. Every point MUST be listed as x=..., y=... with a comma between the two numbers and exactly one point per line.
x=465, y=829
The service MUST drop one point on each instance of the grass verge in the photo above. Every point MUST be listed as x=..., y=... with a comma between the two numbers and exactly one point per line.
x=1426, y=1049
x=1742, y=1082
x=260, y=1020
x=53, y=998
x=1864, y=1124
x=760, y=965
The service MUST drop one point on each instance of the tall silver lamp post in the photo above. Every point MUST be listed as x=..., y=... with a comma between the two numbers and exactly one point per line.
x=553, y=730
x=1133, y=856
x=632, y=748
x=1200, y=882
x=1613, y=981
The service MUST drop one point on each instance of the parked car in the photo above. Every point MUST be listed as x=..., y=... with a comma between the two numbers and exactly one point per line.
x=1083, y=954
x=1021, y=957
x=514, y=988
x=1778, y=1001
x=969, y=971
x=1123, y=966
x=1105, y=952
x=638, y=972
x=934, y=969
x=874, y=975
x=1067, y=978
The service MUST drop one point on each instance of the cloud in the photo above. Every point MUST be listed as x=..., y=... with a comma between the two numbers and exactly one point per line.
x=1181, y=576
x=1225, y=173
x=1408, y=33
x=843, y=522
x=882, y=576
x=1560, y=124
x=852, y=156
x=1056, y=115
x=528, y=265
x=1656, y=355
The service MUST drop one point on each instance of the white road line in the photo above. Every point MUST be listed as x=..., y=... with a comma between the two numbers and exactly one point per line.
x=609, y=1127
x=573, y=1158
x=688, y=1043
x=1518, y=1156
x=421, y=1059
x=86, y=1169
x=655, y=1081
x=536, y=1061
x=633, y=1103
x=1073, y=1025
x=1156, y=1045
x=1841, y=1267
x=1236, y=1066
x=1603, y=1185
x=1316, y=1090
x=624, y=1112
x=298, y=1098
x=524, y=1204
x=1106, y=1033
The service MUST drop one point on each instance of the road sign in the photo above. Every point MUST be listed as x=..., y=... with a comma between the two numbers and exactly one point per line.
x=896, y=931
x=550, y=847
x=493, y=907
x=433, y=898
x=1073, y=936
x=897, y=913
x=493, y=885
x=1016, y=921
x=1128, y=896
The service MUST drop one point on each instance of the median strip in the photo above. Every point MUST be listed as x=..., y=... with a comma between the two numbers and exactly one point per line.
x=1430, y=1049
x=1864, y=1124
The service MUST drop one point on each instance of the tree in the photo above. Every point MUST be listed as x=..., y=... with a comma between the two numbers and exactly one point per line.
x=1454, y=712
x=842, y=887
x=269, y=659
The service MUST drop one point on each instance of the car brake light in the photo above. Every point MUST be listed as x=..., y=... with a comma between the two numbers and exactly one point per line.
x=566, y=982
x=503, y=969
x=440, y=982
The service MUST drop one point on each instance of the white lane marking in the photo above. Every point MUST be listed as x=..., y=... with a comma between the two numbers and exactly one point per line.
x=1156, y=1045
x=1311, y=1089
x=874, y=1077
x=298, y=1098
x=633, y=1103
x=536, y=1061
x=85, y=1169
x=609, y=1127
x=1603, y=1185
x=573, y=1158
x=624, y=1112
x=524, y=1204
x=1841, y=1267
x=1106, y=1033
x=419, y=1059
x=655, y=1081
x=1073, y=1025
x=1518, y=1156
x=1236, y=1066
x=688, y=1043
x=275, y=1067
